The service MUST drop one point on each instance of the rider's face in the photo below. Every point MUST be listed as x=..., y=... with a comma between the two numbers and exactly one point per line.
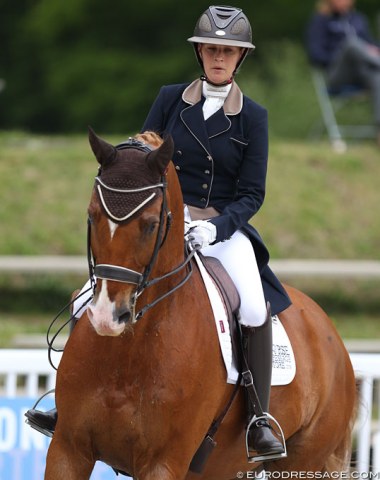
x=219, y=61
x=341, y=6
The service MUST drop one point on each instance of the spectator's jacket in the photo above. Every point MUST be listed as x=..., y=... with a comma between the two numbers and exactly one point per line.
x=221, y=163
x=326, y=34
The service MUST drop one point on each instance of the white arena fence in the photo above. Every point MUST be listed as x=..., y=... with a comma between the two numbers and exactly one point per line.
x=27, y=373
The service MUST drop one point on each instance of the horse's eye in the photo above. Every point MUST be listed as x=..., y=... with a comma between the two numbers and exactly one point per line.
x=152, y=227
x=149, y=225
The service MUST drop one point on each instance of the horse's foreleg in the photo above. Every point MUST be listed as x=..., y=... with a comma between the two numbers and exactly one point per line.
x=64, y=462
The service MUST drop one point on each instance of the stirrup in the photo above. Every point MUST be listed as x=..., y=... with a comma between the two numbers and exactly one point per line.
x=44, y=431
x=278, y=431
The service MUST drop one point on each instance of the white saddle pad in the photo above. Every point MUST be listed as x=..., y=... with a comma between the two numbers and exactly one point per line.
x=284, y=366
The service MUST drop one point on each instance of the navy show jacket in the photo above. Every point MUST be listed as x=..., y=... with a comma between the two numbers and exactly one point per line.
x=221, y=163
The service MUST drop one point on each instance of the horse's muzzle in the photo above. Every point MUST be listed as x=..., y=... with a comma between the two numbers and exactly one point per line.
x=123, y=315
x=109, y=320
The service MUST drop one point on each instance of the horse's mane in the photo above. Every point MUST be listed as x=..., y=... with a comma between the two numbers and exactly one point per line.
x=150, y=138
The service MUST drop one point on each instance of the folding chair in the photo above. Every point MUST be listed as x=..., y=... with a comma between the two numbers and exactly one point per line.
x=330, y=102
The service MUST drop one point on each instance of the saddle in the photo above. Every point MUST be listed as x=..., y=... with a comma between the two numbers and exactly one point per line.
x=229, y=295
x=224, y=283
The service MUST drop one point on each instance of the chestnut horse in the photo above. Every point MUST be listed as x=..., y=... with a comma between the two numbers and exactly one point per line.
x=142, y=377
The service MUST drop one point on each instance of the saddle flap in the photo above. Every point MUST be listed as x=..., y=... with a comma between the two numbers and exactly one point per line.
x=224, y=283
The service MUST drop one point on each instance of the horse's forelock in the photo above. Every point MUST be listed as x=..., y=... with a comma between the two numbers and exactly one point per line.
x=149, y=138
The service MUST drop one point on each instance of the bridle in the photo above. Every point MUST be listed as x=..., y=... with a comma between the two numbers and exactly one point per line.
x=127, y=275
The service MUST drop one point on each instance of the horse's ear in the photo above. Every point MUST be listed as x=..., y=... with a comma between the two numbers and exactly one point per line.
x=104, y=152
x=158, y=160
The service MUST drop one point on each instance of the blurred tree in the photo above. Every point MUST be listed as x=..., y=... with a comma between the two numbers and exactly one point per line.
x=78, y=62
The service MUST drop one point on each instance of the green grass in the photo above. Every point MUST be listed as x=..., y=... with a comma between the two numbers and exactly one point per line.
x=12, y=325
x=319, y=204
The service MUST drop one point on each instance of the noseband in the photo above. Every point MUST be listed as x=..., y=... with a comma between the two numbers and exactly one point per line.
x=127, y=275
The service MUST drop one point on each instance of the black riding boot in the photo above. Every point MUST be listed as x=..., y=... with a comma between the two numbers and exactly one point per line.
x=257, y=342
x=44, y=422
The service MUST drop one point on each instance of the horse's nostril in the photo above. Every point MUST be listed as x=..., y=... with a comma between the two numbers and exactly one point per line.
x=125, y=316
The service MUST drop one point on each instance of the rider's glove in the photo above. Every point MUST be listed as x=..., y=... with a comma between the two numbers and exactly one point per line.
x=201, y=233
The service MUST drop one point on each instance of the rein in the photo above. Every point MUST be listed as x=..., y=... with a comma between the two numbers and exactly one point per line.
x=127, y=275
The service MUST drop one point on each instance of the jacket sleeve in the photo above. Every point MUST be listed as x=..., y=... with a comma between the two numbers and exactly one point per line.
x=316, y=41
x=250, y=190
x=156, y=116
x=162, y=108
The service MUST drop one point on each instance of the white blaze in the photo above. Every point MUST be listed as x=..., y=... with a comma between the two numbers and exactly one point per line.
x=113, y=226
x=101, y=314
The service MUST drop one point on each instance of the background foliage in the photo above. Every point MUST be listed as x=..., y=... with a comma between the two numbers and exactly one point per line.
x=318, y=205
x=71, y=63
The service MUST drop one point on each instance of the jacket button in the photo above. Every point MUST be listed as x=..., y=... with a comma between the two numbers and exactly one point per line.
x=177, y=167
x=209, y=157
x=179, y=152
x=204, y=186
x=207, y=172
x=203, y=200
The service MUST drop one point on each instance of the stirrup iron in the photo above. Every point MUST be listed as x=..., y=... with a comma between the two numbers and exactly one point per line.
x=278, y=431
x=39, y=429
x=34, y=425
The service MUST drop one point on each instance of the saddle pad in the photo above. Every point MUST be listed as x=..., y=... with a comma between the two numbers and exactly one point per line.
x=284, y=366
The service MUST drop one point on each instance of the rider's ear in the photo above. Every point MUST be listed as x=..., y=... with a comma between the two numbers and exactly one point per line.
x=104, y=152
x=158, y=160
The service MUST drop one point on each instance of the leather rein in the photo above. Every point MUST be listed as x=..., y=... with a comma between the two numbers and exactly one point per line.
x=127, y=275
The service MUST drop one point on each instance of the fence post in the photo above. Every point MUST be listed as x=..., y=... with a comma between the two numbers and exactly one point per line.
x=364, y=425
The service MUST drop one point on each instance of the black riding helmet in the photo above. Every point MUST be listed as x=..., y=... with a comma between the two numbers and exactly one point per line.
x=223, y=25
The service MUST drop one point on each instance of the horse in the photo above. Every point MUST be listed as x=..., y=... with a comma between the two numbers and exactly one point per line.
x=141, y=378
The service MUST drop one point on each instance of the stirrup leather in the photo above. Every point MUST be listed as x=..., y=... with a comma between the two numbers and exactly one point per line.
x=278, y=431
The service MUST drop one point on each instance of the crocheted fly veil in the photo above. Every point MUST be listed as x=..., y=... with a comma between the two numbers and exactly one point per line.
x=127, y=184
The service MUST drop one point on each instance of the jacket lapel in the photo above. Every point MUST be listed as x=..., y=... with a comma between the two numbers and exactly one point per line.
x=192, y=117
x=218, y=123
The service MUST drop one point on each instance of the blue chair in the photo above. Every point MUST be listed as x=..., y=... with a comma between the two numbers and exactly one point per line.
x=330, y=102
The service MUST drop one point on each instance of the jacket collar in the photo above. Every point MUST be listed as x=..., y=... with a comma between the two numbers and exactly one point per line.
x=232, y=105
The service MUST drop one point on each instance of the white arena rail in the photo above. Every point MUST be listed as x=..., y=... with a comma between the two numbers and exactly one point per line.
x=28, y=373
x=367, y=429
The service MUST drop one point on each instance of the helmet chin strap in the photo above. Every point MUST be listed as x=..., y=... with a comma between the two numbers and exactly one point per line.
x=227, y=82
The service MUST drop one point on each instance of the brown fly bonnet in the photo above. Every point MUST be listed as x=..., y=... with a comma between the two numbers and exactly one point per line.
x=127, y=184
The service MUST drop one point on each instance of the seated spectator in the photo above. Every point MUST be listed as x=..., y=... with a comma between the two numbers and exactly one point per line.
x=339, y=41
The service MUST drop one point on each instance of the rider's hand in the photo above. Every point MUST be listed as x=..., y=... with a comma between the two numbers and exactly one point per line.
x=201, y=233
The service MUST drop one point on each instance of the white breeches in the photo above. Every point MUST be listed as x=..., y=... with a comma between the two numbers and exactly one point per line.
x=238, y=258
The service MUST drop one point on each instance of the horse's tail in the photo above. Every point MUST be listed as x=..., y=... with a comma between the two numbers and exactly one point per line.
x=340, y=460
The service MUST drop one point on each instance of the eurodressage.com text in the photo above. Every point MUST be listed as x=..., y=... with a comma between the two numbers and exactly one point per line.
x=310, y=475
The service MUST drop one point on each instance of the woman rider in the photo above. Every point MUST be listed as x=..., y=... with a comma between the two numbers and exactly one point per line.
x=221, y=154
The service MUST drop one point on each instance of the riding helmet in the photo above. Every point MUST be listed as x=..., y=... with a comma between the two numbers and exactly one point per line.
x=223, y=25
